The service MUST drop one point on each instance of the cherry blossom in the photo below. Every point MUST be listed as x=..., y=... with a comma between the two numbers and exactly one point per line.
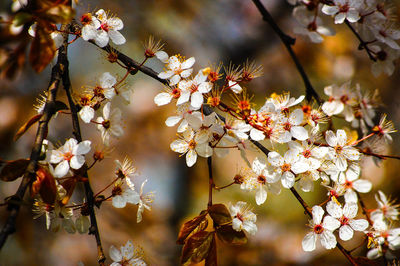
x=322, y=230
x=126, y=256
x=110, y=124
x=70, y=155
x=108, y=29
x=343, y=9
x=177, y=68
x=339, y=151
x=345, y=217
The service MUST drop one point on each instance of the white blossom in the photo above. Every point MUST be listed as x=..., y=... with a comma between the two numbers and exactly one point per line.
x=243, y=218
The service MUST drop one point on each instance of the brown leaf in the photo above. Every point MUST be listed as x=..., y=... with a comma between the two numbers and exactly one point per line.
x=220, y=214
x=230, y=236
x=197, y=247
x=42, y=48
x=189, y=226
x=60, y=106
x=69, y=186
x=211, y=259
x=26, y=126
x=13, y=169
x=45, y=185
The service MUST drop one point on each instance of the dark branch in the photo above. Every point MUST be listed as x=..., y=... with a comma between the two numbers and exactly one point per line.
x=363, y=44
x=30, y=173
x=210, y=181
x=288, y=42
x=94, y=230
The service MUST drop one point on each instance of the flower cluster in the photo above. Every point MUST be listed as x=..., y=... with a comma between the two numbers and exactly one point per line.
x=372, y=21
x=303, y=147
x=101, y=27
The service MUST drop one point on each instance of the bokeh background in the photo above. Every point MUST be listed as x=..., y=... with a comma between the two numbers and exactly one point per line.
x=211, y=31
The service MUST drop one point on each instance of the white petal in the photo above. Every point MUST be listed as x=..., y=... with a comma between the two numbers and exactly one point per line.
x=359, y=224
x=191, y=158
x=197, y=99
x=258, y=165
x=275, y=159
x=77, y=161
x=107, y=80
x=339, y=18
x=56, y=156
x=346, y=233
x=116, y=37
x=328, y=240
x=174, y=80
x=299, y=132
x=118, y=201
x=86, y=114
x=188, y=63
x=287, y=179
x=166, y=75
x=334, y=209
x=82, y=148
x=317, y=213
x=330, y=223
x=101, y=38
x=205, y=87
x=309, y=242
x=362, y=185
x=261, y=195
x=296, y=117
x=331, y=138
x=350, y=210
x=300, y=167
x=115, y=254
x=204, y=150
x=179, y=145
x=162, y=98
x=172, y=120
x=186, y=73
x=256, y=134
x=341, y=137
x=61, y=169
x=330, y=10
x=185, y=95
x=162, y=56
x=341, y=163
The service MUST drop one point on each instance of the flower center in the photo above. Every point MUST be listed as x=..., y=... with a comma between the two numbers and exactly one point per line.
x=106, y=124
x=344, y=8
x=344, y=99
x=68, y=156
x=261, y=179
x=338, y=148
x=287, y=126
x=86, y=18
x=307, y=153
x=176, y=93
x=286, y=167
x=105, y=27
x=344, y=220
x=318, y=229
x=240, y=217
x=348, y=184
x=192, y=144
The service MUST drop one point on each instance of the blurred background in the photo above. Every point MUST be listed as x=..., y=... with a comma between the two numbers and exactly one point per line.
x=212, y=32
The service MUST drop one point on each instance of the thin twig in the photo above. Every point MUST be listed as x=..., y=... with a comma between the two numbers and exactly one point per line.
x=288, y=42
x=363, y=44
x=30, y=173
x=88, y=190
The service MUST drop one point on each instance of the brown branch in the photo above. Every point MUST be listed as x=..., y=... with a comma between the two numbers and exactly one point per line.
x=364, y=209
x=288, y=42
x=30, y=173
x=94, y=230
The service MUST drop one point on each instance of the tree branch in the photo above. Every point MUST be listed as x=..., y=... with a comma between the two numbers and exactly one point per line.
x=30, y=173
x=363, y=44
x=210, y=181
x=94, y=230
x=288, y=42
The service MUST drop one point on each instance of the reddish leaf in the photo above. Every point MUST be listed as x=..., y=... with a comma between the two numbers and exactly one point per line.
x=26, y=126
x=42, y=48
x=45, y=185
x=13, y=169
x=69, y=186
x=211, y=259
x=189, y=226
x=197, y=247
x=220, y=214
x=230, y=236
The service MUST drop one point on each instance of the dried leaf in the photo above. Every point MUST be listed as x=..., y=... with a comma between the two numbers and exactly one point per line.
x=45, y=185
x=69, y=186
x=14, y=169
x=42, y=48
x=189, y=226
x=26, y=126
x=220, y=214
x=230, y=236
x=211, y=259
x=197, y=247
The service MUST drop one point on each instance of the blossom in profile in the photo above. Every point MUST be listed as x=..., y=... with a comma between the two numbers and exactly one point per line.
x=70, y=155
x=110, y=123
